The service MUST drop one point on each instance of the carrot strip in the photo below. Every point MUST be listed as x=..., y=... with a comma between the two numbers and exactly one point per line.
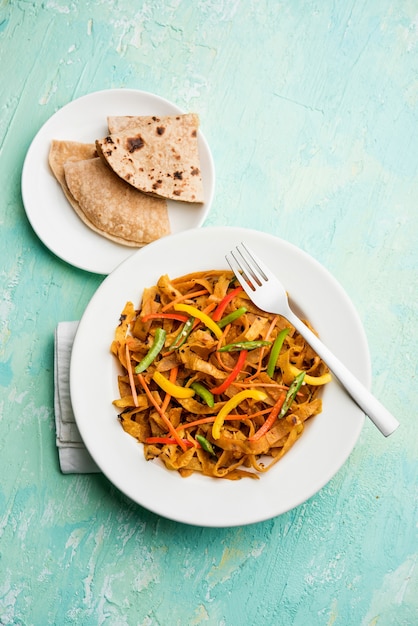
x=172, y=379
x=187, y=296
x=164, y=417
x=131, y=375
x=206, y=310
x=209, y=307
x=169, y=316
x=168, y=441
x=270, y=419
x=232, y=417
x=259, y=384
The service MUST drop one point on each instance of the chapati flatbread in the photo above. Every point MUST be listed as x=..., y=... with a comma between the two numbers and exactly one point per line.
x=157, y=155
x=120, y=123
x=62, y=151
x=113, y=208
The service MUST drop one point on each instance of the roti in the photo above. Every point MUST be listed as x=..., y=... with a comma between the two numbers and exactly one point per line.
x=104, y=202
x=113, y=208
x=156, y=155
x=62, y=151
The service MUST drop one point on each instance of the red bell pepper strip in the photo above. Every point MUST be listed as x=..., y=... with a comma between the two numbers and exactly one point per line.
x=218, y=312
x=233, y=375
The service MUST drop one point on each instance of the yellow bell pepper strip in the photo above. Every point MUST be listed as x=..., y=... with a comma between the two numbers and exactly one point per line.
x=244, y=345
x=157, y=346
x=291, y=394
x=205, y=444
x=219, y=311
x=233, y=374
x=275, y=351
x=203, y=317
x=183, y=334
x=177, y=391
x=312, y=380
x=204, y=393
x=162, y=413
x=255, y=394
x=232, y=317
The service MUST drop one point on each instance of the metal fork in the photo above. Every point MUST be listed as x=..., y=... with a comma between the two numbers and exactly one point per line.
x=266, y=291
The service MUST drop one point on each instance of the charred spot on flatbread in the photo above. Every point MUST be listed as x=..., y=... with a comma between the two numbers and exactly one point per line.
x=134, y=143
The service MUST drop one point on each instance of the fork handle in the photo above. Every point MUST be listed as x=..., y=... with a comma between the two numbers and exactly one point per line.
x=371, y=406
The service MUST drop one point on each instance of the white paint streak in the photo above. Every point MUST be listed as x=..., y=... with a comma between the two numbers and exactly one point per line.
x=88, y=580
x=9, y=282
x=65, y=9
x=129, y=32
x=258, y=550
x=74, y=541
x=17, y=397
x=403, y=589
x=148, y=572
x=410, y=35
x=127, y=532
x=398, y=587
x=9, y=594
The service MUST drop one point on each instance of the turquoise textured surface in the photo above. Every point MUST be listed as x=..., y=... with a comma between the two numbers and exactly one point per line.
x=311, y=112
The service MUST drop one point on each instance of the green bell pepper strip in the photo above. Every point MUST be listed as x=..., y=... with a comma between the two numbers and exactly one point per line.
x=206, y=445
x=232, y=317
x=291, y=394
x=157, y=346
x=204, y=393
x=275, y=351
x=244, y=345
x=183, y=334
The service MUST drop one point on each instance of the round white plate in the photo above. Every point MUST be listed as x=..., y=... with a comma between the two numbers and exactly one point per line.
x=50, y=214
x=311, y=463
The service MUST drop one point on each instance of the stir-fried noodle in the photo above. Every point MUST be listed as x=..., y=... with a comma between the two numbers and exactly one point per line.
x=209, y=382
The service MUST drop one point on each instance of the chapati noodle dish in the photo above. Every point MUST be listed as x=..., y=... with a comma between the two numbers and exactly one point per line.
x=209, y=383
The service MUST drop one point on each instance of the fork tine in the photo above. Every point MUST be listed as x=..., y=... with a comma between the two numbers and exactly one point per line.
x=239, y=272
x=246, y=268
x=243, y=268
x=253, y=264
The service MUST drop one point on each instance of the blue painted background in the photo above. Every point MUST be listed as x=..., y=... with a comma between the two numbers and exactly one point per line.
x=311, y=112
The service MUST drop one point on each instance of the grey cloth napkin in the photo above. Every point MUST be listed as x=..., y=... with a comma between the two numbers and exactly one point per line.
x=73, y=455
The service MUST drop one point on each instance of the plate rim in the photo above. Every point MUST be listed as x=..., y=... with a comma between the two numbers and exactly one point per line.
x=118, y=252
x=234, y=520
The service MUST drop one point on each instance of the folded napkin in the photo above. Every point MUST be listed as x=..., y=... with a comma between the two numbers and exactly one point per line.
x=73, y=455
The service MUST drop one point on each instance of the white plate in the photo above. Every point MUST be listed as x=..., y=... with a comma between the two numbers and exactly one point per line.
x=310, y=464
x=50, y=214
